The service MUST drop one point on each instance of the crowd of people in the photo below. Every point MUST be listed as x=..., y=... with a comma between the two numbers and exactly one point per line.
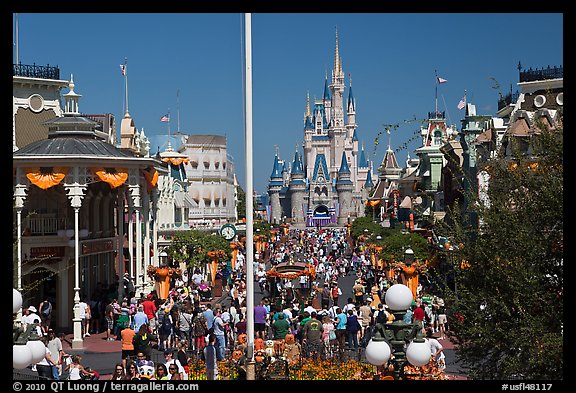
x=312, y=313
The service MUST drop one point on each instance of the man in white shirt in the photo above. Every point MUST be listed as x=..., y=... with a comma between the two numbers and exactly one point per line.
x=82, y=306
x=30, y=316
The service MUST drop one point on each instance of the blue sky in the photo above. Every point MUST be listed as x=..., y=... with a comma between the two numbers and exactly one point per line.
x=391, y=58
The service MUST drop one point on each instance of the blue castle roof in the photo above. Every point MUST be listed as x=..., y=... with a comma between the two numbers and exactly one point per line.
x=369, y=183
x=297, y=165
x=344, y=166
x=277, y=170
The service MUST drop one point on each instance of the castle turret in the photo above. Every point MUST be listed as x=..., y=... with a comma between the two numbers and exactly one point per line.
x=274, y=188
x=344, y=188
x=297, y=189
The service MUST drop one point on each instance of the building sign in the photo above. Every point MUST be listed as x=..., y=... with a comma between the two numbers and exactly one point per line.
x=47, y=252
x=98, y=246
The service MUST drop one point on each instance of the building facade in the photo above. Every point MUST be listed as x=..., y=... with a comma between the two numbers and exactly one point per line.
x=211, y=180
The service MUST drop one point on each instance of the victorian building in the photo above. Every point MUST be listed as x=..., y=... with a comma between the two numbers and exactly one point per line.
x=78, y=201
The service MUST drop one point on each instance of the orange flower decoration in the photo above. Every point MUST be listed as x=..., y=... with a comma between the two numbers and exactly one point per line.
x=113, y=176
x=46, y=177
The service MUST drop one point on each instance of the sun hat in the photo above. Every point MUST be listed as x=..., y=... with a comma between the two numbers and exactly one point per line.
x=32, y=309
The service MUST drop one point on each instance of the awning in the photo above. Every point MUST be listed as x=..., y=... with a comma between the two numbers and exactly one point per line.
x=183, y=200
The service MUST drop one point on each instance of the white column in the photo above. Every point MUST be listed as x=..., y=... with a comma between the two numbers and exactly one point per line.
x=20, y=197
x=136, y=204
x=155, y=226
x=131, y=241
x=76, y=194
x=120, y=245
x=146, y=212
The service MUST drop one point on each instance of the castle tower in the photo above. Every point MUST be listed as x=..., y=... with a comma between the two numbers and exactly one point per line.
x=297, y=189
x=274, y=188
x=344, y=188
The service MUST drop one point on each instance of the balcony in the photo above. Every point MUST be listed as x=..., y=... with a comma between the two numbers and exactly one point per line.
x=44, y=224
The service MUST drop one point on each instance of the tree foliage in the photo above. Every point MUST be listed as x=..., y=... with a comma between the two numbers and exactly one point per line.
x=507, y=307
x=193, y=246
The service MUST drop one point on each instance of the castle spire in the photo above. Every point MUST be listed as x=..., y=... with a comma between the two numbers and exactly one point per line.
x=337, y=67
x=308, y=104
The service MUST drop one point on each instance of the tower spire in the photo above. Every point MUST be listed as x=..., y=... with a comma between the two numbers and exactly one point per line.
x=308, y=104
x=336, y=56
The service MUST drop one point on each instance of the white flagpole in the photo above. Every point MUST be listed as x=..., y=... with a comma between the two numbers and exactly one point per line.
x=16, y=39
x=178, y=108
x=249, y=201
x=126, y=84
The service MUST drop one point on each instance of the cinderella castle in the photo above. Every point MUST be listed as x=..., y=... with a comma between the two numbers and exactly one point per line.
x=331, y=180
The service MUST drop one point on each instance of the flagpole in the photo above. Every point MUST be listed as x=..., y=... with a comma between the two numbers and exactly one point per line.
x=126, y=84
x=251, y=367
x=16, y=39
x=436, y=74
x=178, y=109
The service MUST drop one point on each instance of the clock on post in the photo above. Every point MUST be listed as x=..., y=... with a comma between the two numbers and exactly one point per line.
x=228, y=231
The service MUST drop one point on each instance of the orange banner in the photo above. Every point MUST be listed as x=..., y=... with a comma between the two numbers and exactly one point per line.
x=46, y=177
x=113, y=176
x=176, y=160
x=151, y=176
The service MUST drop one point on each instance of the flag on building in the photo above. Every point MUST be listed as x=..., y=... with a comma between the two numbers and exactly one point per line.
x=441, y=80
x=123, y=69
x=165, y=118
x=462, y=103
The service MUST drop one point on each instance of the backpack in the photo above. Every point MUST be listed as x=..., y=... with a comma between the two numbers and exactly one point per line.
x=381, y=317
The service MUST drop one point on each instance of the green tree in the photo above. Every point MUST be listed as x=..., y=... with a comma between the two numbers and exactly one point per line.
x=241, y=208
x=193, y=246
x=507, y=306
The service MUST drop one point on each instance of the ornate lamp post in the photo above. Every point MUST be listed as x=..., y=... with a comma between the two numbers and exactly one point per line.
x=399, y=341
x=27, y=347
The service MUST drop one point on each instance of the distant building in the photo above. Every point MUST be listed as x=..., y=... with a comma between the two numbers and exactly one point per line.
x=210, y=175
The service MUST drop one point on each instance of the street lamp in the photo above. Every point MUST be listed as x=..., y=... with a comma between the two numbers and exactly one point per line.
x=27, y=345
x=400, y=341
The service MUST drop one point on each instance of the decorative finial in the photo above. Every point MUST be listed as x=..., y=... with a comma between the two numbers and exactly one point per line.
x=308, y=103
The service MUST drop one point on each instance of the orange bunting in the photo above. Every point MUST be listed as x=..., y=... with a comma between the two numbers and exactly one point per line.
x=176, y=160
x=151, y=176
x=115, y=177
x=46, y=177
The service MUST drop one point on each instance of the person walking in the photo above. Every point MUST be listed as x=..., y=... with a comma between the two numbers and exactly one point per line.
x=199, y=331
x=341, y=322
x=210, y=359
x=220, y=332
x=312, y=337
x=352, y=329
x=46, y=309
x=56, y=353
x=127, y=336
x=143, y=341
x=44, y=366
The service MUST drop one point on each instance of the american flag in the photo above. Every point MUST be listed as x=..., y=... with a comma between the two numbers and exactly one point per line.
x=165, y=118
x=123, y=69
x=462, y=103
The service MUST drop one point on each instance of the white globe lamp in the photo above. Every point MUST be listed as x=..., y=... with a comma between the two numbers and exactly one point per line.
x=16, y=301
x=377, y=352
x=398, y=297
x=38, y=350
x=418, y=353
x=21, y=356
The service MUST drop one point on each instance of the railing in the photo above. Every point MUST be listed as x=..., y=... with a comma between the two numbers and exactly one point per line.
x=531, y=75
x=436, y=115
x=45, y=225
x=36, y=71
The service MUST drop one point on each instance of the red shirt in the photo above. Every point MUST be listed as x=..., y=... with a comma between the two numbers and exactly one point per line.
x=149, y=308
x=419, y=314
